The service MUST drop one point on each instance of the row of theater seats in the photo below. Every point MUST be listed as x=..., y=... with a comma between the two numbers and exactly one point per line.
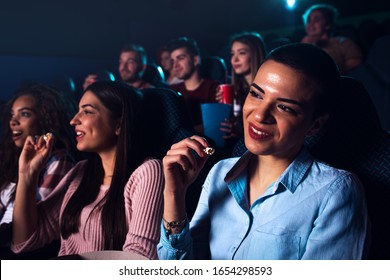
x=374, y=73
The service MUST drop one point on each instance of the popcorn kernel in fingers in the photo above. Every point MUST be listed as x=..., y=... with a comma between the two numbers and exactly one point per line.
x=209, y=151
x=47, y=136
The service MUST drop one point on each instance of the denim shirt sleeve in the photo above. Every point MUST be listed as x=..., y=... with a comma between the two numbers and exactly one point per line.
x=175, y=246
x=339, y=232
x=192, y=242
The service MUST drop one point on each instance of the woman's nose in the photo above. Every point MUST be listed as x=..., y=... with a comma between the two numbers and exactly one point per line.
x=264, y=114
x=14, y=120
x=75, y=121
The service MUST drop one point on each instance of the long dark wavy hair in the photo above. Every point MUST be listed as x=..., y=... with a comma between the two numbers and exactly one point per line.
x=54, y=112
x=257, y=51
x=123, y=103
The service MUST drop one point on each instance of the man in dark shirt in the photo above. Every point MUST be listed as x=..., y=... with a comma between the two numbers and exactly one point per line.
x=194, y=88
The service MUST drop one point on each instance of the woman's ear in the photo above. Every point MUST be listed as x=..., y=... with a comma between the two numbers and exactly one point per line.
x=317, y=125
x=117, y=128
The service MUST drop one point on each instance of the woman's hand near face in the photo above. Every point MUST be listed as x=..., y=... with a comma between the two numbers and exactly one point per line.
x=182, y=165
x=90, y=79
x=35, y=153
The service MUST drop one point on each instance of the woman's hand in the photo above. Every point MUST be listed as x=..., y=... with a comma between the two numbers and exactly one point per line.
x=183, y=162
x=182, y=165
x=228, y=127
x=90, y=79
x=36, y=151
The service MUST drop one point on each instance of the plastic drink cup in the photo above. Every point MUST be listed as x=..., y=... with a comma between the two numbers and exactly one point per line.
x=227, y=93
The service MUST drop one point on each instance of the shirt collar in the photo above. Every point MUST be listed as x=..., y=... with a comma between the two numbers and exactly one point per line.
x=290, y=178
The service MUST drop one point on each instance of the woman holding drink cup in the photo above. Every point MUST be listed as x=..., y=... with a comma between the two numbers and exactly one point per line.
x=247, y=52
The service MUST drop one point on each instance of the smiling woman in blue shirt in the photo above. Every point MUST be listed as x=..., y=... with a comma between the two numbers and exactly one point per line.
x=276, y=201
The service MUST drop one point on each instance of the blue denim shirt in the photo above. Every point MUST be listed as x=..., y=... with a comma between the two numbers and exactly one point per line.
x=313, y=211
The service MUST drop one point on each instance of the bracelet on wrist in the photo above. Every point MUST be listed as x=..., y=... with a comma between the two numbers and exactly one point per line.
x=174, y=227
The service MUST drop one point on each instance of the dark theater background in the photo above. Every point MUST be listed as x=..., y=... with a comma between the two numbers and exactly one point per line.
x=51, y=41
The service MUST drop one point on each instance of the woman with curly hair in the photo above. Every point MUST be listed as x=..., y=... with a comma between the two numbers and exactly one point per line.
x=34, y=110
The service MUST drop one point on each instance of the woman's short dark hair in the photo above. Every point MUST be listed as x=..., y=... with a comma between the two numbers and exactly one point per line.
x=316, y=65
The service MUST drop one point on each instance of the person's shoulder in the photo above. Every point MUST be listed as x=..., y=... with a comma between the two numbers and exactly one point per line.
x=61, y=154
x=210, y=86
x=81, y=163
x=210, y=83
x=333, y=175
x=151, y=163
x=149, y=174
x=342, y=40
x=74, y=176
x=149, y=167
x=223, y=171
x=308, y=40
x=339, y=185
x=148, y=85
x=225, y=165
x=228, y=161
x=78, y=168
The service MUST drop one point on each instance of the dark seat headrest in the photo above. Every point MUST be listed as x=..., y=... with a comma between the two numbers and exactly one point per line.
x=353, y=124
x=165, y=119
x=379, y=58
